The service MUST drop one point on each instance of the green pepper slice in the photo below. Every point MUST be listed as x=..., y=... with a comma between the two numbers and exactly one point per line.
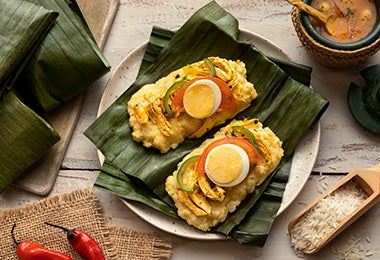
x=181, y=171
x=211, y=65
x=251, y=137
x=176, y=85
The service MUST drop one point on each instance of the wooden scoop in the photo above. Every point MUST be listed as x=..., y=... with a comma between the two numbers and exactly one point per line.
x=368, y=180
x=326, y=20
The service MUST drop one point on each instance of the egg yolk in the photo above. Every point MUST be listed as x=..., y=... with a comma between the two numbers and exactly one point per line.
x=202, y=98
x=227, y=165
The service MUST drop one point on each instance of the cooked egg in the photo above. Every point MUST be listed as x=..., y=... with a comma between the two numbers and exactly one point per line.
x=227, y=165
x=202, y=98
x=154, y=128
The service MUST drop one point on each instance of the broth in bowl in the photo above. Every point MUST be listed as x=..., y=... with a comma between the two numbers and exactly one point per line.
x=355, y=19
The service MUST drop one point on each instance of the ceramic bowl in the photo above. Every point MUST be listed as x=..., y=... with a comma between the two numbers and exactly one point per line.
x=331, y=53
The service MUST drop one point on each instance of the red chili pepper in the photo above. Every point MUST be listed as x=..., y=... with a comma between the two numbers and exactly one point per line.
x=83, y=243
x=27, y=250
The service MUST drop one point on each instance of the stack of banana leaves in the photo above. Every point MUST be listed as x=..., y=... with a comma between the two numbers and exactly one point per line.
x=285, y=103
x=47, y=56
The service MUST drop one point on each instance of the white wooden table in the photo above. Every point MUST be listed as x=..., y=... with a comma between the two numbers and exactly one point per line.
x=344, y=145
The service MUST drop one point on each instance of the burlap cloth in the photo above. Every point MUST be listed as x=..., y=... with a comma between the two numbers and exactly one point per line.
x=80, y=209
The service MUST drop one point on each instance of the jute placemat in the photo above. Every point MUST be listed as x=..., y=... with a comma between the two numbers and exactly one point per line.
x=80, y=209
x=139, y=245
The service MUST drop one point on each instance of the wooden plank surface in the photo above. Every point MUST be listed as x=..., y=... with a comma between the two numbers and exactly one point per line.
x=40, y=177
x=344, y=145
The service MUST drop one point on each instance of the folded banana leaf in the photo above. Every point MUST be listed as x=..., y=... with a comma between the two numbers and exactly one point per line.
x=364, y=101
x=23, y=26
x=65, y=64
x=131, y=188
x=25, y=137
x=285, y=105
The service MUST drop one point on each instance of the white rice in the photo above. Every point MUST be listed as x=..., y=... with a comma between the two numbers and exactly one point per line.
x=324, y=217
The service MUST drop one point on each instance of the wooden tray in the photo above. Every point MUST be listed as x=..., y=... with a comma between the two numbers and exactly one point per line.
x=40, y=178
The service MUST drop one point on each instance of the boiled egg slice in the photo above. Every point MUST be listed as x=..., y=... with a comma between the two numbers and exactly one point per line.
x=227, y=165
x=202, y=98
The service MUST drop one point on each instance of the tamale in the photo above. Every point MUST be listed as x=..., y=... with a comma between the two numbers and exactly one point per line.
x=24, y=138
x=66, y=63
x=23, y=27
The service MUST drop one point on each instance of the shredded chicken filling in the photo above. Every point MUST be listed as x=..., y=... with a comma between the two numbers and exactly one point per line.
x=204, y=191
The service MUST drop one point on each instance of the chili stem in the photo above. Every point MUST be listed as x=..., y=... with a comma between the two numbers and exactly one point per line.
x=56, y=226
x=13, y=235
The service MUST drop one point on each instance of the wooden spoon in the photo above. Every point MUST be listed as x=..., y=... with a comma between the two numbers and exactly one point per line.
x=368, y=180
x=326, y=20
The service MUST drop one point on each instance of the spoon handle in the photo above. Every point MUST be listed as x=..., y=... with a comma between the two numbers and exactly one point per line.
x=371, y=178
x=310, y=10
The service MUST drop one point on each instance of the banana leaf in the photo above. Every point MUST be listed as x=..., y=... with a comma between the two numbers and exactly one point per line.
x=160, y=37
x=285, y=105
x=23, y=27
x=130, y=188
x=66, y=63
x=364, y=101
x=25, y=137
x=266, y=209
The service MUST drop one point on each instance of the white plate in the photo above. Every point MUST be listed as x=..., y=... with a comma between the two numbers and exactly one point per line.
x=302, y=165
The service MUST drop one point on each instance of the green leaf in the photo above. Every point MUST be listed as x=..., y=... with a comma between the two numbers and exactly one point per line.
x=22, y=27
x=298, y=72
x=125, y=186
x=24, y=138
x=160, y=37
x=66, y=63
x=364, y=101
